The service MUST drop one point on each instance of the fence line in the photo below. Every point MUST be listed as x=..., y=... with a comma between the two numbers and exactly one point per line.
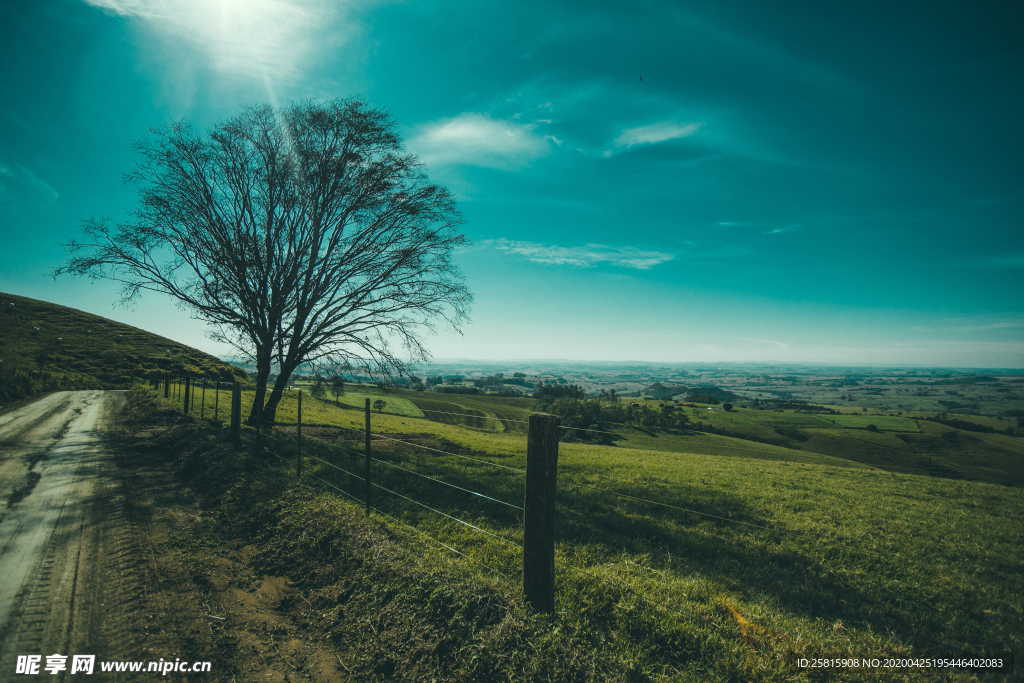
x=454, y=455
x=418, y=531
x=455, y=519
x=576, y=429
x=408, y=526
x=445, y=545
x=390, y=464
x=440, y=481
x=621, y=495
x=271, y=434
x=336, y=467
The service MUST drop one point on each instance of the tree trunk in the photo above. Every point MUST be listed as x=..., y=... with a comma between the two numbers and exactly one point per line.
x=270, y=410
x=262, y=373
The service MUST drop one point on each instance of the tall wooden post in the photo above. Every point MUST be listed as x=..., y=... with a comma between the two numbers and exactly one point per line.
x=167, y=385
x=185, y=403
x=298, y=432
x=236, y=413
x=366, y=472
x=539, y=508
x=258, y=405
x=216, y=402
x=202, y=405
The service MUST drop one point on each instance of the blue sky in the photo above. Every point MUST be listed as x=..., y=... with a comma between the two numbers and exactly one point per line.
x=790, y=181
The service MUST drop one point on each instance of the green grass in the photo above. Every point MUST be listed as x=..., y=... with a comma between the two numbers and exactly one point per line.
x=818, y=559
x=883, y=422
x=95, y=352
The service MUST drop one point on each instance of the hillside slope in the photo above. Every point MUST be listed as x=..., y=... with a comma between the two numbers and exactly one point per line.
x=45, y=346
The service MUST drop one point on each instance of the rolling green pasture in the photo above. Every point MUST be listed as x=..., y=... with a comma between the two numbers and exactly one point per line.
x=883, y=422
x=688, y=565
x=792, y=420
x=396, y=405
x=474, y=422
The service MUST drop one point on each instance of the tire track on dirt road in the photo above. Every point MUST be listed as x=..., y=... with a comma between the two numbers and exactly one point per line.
x=67, y=555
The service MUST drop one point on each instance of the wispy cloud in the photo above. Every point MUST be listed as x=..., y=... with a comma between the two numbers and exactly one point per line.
x=1015, y=260
x=585, y=256
x=18, y=185
x=266, y=39
x=770, y=342
x=786, y=228
x=968, y=325
x=652, y=134
x=656, y=132
x=479, y=140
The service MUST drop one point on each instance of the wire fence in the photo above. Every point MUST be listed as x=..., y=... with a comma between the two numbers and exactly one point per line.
x=288, y=441
x=494, y=419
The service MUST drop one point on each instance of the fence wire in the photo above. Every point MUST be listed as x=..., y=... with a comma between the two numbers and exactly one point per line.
x=440, y=481
x=269, y=432
x=454, y=455
x=416, y=502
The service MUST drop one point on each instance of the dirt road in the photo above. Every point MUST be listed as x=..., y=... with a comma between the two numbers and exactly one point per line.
x=60, y=529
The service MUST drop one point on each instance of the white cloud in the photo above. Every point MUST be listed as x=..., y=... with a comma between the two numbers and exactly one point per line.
x=656, y=132
x=271, y=39
x=586, y=256
x=479, y=140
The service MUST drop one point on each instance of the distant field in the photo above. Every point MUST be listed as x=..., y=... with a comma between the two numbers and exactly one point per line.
x=899, y=446
x=396, y=405
x=883, y=422
x=796, y=420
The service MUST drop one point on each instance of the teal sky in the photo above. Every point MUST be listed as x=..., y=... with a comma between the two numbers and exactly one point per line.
x=790, y=181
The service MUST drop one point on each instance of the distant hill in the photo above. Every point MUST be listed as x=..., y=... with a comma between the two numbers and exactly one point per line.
x=45, y=347
x=659, y=391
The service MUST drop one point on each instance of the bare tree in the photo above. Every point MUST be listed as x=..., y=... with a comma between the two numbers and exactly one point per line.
x=303, y=235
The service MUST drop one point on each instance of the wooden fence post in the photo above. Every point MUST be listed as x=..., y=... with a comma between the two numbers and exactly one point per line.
x=366, y=473
x=202, y=404
x=298, y=451
x=539, y=509
x=167, y=385
x=216, y=402
x=236, y=413
x=185, y=404
x=259, y=423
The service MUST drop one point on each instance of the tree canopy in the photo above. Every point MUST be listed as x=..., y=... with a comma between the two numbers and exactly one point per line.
x=302, y=235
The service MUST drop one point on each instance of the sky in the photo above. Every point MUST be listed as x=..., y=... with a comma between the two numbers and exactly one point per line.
x=702, y=181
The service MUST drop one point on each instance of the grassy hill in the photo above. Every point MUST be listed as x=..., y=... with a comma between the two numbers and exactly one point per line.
x=47, y=347
x=681, y=557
